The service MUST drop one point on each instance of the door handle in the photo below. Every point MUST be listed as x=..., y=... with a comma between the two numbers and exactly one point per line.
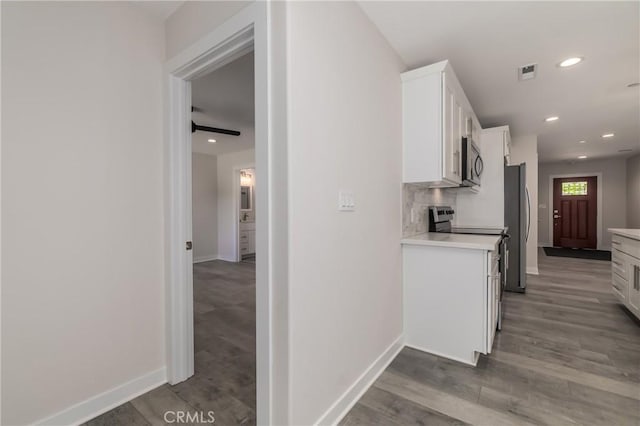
x=555, y=216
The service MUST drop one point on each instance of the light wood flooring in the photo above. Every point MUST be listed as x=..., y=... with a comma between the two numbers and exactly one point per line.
x=224, y=340
x=568, y=354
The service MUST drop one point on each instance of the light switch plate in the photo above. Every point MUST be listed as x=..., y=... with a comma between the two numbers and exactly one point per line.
x=346, y=201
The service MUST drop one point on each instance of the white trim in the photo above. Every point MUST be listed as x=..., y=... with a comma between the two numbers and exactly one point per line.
x=228, y=259
x=248, y=29
x=105, y=401
x=348, y=399
x=532, y=270
x=476, y=355
x=205, y=258
x=598, y=176
x=544, y=244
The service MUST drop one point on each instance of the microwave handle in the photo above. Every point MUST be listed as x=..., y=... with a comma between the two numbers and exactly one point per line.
x=478, y=166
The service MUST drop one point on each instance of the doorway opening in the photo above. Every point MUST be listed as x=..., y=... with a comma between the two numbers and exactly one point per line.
x=224, y=212
x=246, y=238
x=575, y=212
x=241, y=34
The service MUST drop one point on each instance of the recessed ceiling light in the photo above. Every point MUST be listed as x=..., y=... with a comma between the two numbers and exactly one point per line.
x=633, y=85
x=569, y=62
x=582, y=141
x=554, y=118
x=608, y=135
x=211, y=140
x=582, y=157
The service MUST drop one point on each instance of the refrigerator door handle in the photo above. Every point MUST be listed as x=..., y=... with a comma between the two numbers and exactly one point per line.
x=526, y=190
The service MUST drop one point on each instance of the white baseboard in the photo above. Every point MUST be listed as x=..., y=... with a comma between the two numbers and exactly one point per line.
x=101, y=403
x=347, y=400
x=544, y=244
x=227, y=258
x=533, y=270
x=205, y=258
x=473, y=362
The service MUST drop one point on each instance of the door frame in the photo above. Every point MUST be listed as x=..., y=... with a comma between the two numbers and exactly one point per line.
x=598, y=204
x=236, y=205
x=246, y=31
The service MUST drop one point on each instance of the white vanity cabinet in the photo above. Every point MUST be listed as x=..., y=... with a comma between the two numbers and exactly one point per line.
x=625, y=267
x=436, y=115
x=247, y=242
x=451, y=286
x=247, y=238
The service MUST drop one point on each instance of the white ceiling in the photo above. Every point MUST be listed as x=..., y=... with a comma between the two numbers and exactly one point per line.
x=487, y=41
x=225, y=99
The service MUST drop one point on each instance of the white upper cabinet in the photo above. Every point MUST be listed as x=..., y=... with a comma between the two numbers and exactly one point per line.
x=507, y=148
x=436, y=116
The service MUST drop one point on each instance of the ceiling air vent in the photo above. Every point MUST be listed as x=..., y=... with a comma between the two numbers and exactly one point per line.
x=527, y=72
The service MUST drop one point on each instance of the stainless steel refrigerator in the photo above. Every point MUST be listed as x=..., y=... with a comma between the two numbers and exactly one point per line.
x=517, y=206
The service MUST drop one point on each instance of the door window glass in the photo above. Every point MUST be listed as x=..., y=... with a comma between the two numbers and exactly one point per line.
x=574, y=188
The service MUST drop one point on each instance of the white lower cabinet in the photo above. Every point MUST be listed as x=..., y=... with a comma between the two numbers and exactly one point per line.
x=451, y=300
x=625, y=272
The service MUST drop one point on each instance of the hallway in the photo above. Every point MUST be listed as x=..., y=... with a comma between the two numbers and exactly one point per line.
x=225, y=372
x=568, y=354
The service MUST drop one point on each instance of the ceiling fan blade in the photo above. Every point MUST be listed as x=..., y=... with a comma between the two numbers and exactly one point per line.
x=195, y=127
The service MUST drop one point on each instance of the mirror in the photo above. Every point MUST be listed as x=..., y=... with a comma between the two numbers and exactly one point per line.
x=245, y=198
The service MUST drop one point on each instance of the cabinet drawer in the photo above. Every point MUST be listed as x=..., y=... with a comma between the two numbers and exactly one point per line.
x=619, y=286
x=626, y=245
x=619, y=264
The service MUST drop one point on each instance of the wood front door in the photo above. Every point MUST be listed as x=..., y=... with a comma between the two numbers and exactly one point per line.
x=575, y=210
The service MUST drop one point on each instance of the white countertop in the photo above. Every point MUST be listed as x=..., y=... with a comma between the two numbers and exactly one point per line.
x=629, y=233
x=441, y=239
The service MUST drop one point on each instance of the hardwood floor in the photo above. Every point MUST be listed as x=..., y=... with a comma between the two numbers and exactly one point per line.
x=225, y=366
x=568, y=354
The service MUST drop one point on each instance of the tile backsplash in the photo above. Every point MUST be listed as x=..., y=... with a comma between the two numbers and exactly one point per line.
x=418, y=198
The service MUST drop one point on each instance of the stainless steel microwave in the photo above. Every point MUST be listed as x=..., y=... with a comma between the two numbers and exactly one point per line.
x=472, y=164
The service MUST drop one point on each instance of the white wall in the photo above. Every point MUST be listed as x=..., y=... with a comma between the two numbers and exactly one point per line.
x=345, y=132
x=195, y=19
x=82, y=195
x=614, y=194
x=204, y=171
x=227, y=209
x=633, y=192
x=524, y=149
